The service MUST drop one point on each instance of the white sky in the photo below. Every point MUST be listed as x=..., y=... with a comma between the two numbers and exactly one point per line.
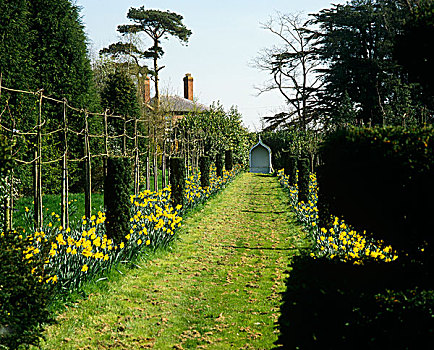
x=227, y=35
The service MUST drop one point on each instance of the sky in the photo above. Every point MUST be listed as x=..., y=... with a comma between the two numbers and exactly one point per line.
x=227, y=36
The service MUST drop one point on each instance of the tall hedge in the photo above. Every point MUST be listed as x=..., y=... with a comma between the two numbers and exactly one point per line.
x=177, y=180
x=303, y=179
x=24, y=300
x=229, y=163
x=291, y=169
x=204, y=164
x=381, y=180
x=117, y=190
x=219, y=164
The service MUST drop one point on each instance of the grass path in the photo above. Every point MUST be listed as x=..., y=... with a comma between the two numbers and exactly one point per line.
x=218, y=289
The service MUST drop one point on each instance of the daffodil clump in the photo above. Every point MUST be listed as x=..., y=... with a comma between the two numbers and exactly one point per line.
x=339, y=241
x=195, y=194
x=77, y=254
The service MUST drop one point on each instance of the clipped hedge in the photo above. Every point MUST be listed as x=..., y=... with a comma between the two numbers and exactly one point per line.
x=177, y=180
x=334, y=305
x=117, y=189
x=25, y=292
x=381, y=180
x=290, y=166
x=303, y=179
x=219, y=164
x=229, y=162
x=204, y=165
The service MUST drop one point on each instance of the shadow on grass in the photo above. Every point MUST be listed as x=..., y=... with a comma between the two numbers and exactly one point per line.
x=332, y=305
x=256, y=248
x=263, y=212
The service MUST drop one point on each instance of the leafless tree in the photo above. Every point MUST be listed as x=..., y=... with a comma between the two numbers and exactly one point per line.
x=292, y=65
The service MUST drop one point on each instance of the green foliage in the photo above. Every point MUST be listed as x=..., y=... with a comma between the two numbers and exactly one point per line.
x=6, y=164
x=59, y=52
x=290, y=167
x=43, y=46
x=334, y=305
x=117, y=189
x=291, y=142
x=204, y=164
x=356, y=42
x=229, y=162
x=303, y=179
x=119, y=96
x=413, y=52
x=24, y=293
x=218, y=130
x=377, y=178
x=5, y=156
x=219, y=164
x=157, y=25
x=177, y=180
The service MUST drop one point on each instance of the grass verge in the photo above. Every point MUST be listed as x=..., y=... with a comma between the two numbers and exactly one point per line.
x=219, y=288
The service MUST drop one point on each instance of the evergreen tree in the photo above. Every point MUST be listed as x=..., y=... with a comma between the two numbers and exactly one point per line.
x=59, y=51
x=413, y=50
x=157, y=25
x=119, y=96
x=356, y=42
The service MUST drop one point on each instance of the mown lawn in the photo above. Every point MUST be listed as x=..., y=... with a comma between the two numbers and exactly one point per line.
x=219, y=287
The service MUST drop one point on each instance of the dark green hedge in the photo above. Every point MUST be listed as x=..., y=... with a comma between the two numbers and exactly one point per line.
x=289, y=163
x=334, y=305
x=381, y=180
x=204, y=164
x=177, y=180
x=24, y=300
x=117, y=190
x=303, y=179
x=229, y=163
x=219, y=164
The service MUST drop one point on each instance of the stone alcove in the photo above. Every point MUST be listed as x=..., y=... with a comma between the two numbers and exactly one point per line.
x=260, y=158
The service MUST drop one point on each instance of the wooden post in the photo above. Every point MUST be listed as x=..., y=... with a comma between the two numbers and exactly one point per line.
x=163, y=167
x=38, y=170
x=105, y=142
x=65, y=184
x=155, y=172
x=148, y=173
x=124, y=138
x=136, y=160
x=88, y=167
x=35, y=192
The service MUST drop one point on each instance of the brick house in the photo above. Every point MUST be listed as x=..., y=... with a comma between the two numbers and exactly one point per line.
x=176, y=106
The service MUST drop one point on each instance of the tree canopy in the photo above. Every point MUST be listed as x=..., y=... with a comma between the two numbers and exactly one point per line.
x=374, y=65
x=157, y=25
x=218, y=131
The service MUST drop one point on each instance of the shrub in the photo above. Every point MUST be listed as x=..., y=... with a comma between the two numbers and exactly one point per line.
x=204, y=171
x=25, y=292
x=303, y=179
x=177, y=180
x=219, y=164
x=117, y=189
x=291, y=169
x=229, y=163
x=333, y=305
x=380, y=179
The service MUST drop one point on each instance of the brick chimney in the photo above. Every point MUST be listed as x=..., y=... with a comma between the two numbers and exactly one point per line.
x=188, y=87
x=147, y=90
